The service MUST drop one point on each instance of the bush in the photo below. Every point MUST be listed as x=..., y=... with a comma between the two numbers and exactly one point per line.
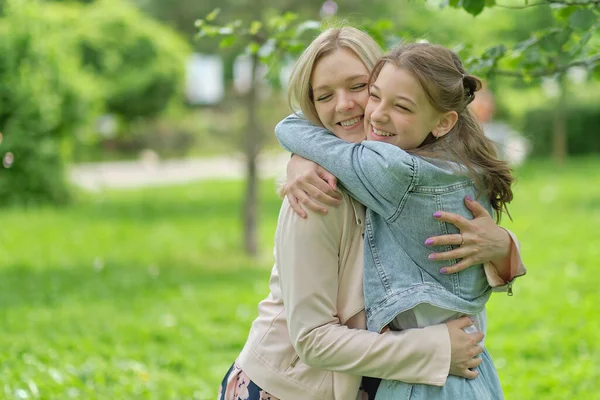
x=44, y=97
x=582, y=129
x=64, y=64
x=139, y=63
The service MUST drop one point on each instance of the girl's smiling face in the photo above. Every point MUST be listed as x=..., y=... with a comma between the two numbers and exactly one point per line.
x=398, y=111
x=339, y=88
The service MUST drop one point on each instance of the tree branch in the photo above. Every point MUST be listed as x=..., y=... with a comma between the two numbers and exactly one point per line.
x=548, y=2
x=550, y=71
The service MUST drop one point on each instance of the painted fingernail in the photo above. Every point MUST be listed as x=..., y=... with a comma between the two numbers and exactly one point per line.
x=428, y=242
x=437, y=214
x=431, y=256
x=469, y=198
x=443, y=271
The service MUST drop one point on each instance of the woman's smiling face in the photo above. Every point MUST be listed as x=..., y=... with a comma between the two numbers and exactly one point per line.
x=339, y=87
x=398, y=111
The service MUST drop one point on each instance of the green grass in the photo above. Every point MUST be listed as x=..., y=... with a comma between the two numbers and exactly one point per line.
x=145, y=294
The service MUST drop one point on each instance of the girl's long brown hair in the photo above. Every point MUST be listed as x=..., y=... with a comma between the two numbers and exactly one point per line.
x=449, y=88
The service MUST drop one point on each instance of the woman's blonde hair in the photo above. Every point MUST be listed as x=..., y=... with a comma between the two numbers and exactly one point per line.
x=449, y=87
x=300, y=94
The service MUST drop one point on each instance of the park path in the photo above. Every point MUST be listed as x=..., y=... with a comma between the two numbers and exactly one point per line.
x=150, y=171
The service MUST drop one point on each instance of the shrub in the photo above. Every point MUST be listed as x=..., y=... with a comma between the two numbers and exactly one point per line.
x=582, y=120
x=61, y=65
x=44, y=98
x=139, y=63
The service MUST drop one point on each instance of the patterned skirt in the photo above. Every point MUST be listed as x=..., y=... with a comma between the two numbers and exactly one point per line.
x=237, y=386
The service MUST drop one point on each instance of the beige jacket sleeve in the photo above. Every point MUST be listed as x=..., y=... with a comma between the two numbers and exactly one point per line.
x=306, y=252
x=517, y=268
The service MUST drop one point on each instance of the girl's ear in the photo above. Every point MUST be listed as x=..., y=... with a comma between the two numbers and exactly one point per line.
x=445, y=124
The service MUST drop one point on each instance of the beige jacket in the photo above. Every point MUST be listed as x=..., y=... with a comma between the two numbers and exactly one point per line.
x=316, y=346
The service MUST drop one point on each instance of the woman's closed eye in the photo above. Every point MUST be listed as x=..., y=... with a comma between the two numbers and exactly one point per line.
x=324, y=97
x=358, y=87
x=400, y=106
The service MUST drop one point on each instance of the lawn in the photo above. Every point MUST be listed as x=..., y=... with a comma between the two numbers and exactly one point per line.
x=145, y=294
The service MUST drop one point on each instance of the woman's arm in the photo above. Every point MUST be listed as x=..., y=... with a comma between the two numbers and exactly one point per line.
x=378, y=175
x=306, y=253
x=483, y=241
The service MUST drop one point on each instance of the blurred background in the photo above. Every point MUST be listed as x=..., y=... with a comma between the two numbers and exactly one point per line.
x=137, y=186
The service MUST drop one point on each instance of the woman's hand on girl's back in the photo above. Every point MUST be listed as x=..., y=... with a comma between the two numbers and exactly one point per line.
x=481, y=240
x=464, y=348
x=308, y=183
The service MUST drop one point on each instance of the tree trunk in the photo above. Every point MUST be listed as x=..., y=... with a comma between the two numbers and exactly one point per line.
x=560, y=124
x=252, y=148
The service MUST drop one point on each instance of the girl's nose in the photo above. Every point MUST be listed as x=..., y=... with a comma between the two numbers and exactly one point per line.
x=379, y=115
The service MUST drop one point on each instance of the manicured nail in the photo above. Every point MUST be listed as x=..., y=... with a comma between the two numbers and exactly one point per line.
x=443, y=271
x=431, y=256
x=429, y=242
x=437, y=214
x=469, y=198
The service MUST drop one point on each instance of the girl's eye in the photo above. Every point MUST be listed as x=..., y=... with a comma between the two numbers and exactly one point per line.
x=324, y=97
x=374, y=96
x=402, y=107
x=359, y=86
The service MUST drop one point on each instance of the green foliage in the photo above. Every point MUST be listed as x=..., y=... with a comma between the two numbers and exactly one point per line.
x=582, y=122
x=583, y=19
x=272, y=39
x=138, y=62
x=549, y=51
x=44, y=100
x=473, y=7
x=280, y=37
x=182, y=13
x=385, y=31
x=143, y=296
x=61, y=65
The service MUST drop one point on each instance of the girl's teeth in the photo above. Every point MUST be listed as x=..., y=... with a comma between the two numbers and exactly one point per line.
x=382, y=133
x=350, y=122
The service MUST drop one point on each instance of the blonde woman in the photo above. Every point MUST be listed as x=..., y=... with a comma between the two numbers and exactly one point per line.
x=309, y=339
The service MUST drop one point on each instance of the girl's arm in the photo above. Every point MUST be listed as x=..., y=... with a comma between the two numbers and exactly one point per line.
x=502, y=274
x=306, y=255
x=483, y=242
x=378, y=175
x=314, y=187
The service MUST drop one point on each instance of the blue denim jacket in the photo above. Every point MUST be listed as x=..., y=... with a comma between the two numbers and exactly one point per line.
x=401, y=192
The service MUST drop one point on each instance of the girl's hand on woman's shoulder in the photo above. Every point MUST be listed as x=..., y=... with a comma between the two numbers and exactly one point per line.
x=481, y=240
x=308, y=183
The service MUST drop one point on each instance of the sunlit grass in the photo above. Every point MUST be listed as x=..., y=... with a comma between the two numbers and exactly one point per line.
x=146, y=294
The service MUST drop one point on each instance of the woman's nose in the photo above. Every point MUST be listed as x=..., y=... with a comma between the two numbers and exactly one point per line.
x=345, y=102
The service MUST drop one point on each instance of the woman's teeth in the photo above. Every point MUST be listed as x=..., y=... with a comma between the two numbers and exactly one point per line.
x=350, y=122
x=382, y=133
